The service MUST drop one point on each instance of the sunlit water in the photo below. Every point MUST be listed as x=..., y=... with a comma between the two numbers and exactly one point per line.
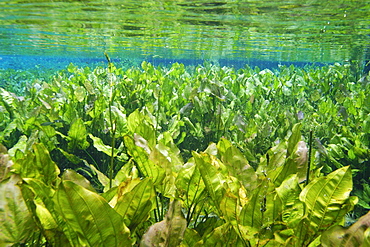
x=230, y=32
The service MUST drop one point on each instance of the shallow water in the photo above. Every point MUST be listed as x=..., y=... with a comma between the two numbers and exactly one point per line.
x=240, y=31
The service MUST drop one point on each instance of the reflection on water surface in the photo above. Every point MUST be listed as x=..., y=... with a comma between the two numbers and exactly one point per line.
x=321, y=31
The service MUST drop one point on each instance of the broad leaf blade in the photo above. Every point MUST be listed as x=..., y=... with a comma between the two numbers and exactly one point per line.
x=90, y=216
x=135, y=205
x=38, y=165
x=189, y=184
x=213, y=178
x=77, y=135
x=140, y=151
x=16, y=223
x=168, y=232
x=167, y=186
x=327, y=198
x=263, y=208
x=39, y=199
x=237, y=164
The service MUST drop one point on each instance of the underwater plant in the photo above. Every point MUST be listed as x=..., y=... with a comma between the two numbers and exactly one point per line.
x=208, y=155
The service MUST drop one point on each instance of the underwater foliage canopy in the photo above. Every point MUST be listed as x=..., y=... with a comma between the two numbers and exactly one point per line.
x=186, y=156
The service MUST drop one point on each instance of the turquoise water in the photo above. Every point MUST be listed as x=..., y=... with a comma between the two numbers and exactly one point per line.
x=231, y=32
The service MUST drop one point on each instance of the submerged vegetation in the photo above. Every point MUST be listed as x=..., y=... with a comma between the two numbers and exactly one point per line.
x=186, y=156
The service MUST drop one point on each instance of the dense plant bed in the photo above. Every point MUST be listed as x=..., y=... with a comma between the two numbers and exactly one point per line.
x=186, y=156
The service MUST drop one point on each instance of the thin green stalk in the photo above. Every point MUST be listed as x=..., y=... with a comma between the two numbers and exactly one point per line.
x=113, y=142
x=112, y=121
x=111, y=163
x=157, y=212
x=197, y=216
x=309, y=157
x=93, y=160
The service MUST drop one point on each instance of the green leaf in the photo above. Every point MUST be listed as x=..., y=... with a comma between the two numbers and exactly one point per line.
x=189, y=184
x=167, y=186
x=73, y=176
x=223, y=236
x=77, y=135
x=168, y=232
x=100, y=146
x=80, y=93
x=38, y=165
x=71, y=157
x=140, y=124
x=90, y=216
x=135, y=205
x=353, y=236
x=288, y=192
x=237, y=164
x=138, y=148
x=294, y=138
x=16, y=223
x=327, y=198
x=39, y=199
x=20, y=145
x=103, y=179
x=273, y=161
x=5, y=163
x=230, y=208
x=120, y=121
x=191, y=238
x=213, y=178
x=263, y=208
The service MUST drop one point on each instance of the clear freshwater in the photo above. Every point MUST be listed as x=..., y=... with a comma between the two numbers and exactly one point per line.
x=232, y=32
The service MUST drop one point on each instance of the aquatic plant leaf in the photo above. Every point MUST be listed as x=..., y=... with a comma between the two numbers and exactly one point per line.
x=38, y=164
x=327, y=198
x=230, y=208
x=221, y=236
x=191, y=238
x=169, y=149
x=355, y=235
x=288, y=192
x=69, y=115
x=16, y=223
x=39, y=199
x=168, y=232
x=77, y=135
x=167, y=186
x=21, y=145
x=237, y=164
x=213, y=179
x=71, y=157
x=45, y=217
x=5, y=163
x=120, y=120
x=301, y=160
x=73, y=176
x=189, y=184
x=128, y=171
x=294, y=138
x=273, y=161
x=90, y=216
x=282, y=172
x=138, y=123
x=103, y=179
x=100, y=146
x=80, y=93
x=138, y=148
x=135, y=205
x=263, y=208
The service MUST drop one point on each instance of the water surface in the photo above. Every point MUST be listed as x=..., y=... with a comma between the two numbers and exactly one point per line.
x=232, y=30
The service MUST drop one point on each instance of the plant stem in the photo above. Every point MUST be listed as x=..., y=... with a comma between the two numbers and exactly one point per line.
x=111, y=164
x=309, y=157
x=111, y=120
